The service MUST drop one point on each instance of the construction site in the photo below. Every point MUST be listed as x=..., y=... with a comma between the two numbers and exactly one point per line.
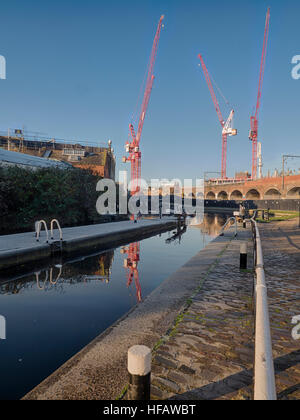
x=169, y=305
x=99, y=159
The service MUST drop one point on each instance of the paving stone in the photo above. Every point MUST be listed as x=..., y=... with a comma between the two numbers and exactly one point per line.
x=157, y=369
x=165, y=362
x=186, y=369
x=176, y=377
x=168, y=384
x=156, y=392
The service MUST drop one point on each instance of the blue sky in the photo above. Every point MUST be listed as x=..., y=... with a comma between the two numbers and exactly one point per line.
x=74, y=71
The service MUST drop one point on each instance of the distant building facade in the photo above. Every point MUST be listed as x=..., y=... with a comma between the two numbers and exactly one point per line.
x=100, y=160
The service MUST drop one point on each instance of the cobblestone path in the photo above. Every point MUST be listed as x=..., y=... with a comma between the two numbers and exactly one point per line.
x=209, y=352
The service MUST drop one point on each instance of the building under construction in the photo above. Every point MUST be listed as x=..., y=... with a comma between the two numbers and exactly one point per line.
x=100, y=160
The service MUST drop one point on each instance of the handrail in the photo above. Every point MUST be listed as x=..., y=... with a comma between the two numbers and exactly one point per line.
x=264, y=376
x=38, y=229
x=224, y=226
x=59, y=228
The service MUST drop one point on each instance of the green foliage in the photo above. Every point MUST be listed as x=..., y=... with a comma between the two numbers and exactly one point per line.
x=279, y=216
x=28, y=195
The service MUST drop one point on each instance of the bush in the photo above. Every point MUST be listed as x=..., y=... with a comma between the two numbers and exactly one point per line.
x=28, y=195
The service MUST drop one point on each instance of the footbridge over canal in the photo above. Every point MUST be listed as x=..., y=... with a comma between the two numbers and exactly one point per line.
x=287, y=187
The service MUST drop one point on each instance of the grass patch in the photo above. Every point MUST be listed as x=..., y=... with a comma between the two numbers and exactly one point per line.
x=123, y=392
x=279, y=216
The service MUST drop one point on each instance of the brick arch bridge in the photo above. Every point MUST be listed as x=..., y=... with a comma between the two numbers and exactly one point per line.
x=261, y=189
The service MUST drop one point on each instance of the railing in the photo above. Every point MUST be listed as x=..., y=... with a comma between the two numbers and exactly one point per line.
x=264, y=376
x=31, y=137
x=227, y=223
x=217, y=181
x=59, y=228
x=38, y=227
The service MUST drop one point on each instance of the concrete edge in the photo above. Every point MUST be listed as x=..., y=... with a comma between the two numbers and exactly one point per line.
x=18, y=257
x=23, y=256
x=108, y=240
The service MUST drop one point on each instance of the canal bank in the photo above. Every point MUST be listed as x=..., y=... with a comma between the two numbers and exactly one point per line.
x=23, y=248
x=99, y=370
x=209, y=352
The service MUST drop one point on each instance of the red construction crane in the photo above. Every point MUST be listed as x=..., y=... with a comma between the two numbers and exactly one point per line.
x=131, y=264
x=227, y=129
x=254, y=119
x=133, y=148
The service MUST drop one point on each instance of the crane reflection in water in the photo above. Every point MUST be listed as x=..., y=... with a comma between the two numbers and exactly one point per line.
x=131, y=261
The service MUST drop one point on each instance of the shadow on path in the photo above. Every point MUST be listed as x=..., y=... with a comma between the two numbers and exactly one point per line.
x=240, y=380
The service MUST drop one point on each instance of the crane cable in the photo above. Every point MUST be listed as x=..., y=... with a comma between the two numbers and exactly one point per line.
x=219, y=90
x=137, y=105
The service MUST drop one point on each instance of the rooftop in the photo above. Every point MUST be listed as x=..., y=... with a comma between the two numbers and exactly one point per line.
x=8, y=157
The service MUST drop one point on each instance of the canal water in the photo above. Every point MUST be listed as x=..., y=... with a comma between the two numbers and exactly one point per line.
x=53, y=312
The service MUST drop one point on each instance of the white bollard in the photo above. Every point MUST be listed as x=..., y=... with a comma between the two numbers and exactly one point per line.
x=139, y=370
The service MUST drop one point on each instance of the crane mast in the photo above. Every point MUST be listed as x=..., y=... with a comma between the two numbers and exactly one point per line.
x=227, y=129
x=254, y=118
x=133, y=148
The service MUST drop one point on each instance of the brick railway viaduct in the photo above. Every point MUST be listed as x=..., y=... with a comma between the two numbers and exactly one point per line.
x=261, y=189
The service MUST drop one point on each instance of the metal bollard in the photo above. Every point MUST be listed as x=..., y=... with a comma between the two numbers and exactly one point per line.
x=243, y=256
x=139, y=370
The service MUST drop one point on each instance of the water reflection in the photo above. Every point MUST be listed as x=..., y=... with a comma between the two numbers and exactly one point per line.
x=55, y=277
x=131, y=265
x=176, y=237
x=99, y=268
x=38, y=273
x=210, y=224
